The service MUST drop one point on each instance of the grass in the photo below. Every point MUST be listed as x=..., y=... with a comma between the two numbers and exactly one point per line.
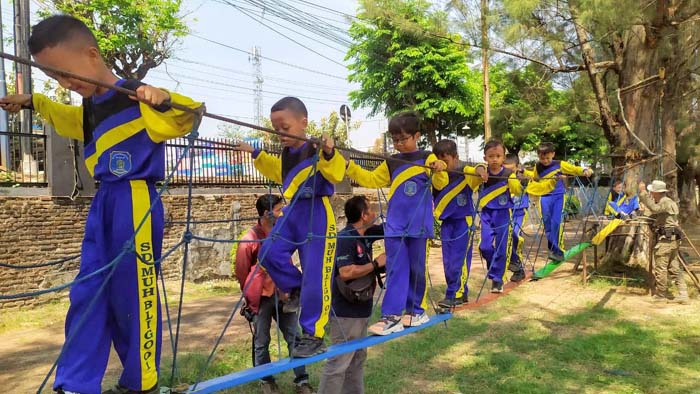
x=594, y=349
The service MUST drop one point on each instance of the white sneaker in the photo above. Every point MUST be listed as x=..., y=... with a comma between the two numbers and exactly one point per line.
x=386, y=325
x=414, y=320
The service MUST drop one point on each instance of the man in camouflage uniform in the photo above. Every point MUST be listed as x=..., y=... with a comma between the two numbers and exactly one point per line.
x=666, y=261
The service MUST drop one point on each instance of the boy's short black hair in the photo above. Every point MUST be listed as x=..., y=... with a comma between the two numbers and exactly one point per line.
x=267, y=202
x=512, y=158
x=292, y=104
x=355, y=207
x=405, y=122
x=445, y=148
x=617, y=182
x=58, y=29
x=545, y=147
x=494, y=144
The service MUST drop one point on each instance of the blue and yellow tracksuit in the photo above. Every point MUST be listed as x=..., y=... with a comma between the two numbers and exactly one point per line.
x=124, y=151
x=496, y=207
x=408, y=227
x=521, y=203
x=621, y=203
x=550, y=188
x=454, y=209
x=307, y=184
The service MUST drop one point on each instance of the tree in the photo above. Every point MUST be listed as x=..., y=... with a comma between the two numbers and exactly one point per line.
x=399, y=67
x=134, y=36
x=334, y=127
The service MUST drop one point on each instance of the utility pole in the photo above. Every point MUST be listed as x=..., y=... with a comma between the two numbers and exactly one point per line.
x=23, y=81
x=485, y=68
x=4, y=140
x=254, y=58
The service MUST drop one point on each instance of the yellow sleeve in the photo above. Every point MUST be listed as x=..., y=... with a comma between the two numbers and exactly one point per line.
x=379, y=177
x=608, y=209
x=334, y=168
x=269, y=165
x=570, y=169
x=514, y=185
x=473, y=179
x=66, y=119
x=529, y=173
x=440, y=179
x=169, y=124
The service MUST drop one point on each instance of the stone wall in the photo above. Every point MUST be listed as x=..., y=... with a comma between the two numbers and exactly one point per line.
x=43, y=229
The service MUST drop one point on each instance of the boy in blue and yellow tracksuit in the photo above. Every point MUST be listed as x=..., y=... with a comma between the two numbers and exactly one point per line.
x=548, y=185
x=496, y=207
x=409, y=222
x=521, y=203
x=454, y=209
x=307, y=177
x=124, y=151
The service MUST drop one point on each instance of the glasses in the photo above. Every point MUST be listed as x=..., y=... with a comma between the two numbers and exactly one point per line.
x=401, y=140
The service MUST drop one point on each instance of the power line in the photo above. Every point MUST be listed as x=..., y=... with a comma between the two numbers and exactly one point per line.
x=270, y=59
x=234, y=71
x=289, y=38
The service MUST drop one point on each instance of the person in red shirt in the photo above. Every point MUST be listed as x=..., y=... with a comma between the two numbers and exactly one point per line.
x=261, y=302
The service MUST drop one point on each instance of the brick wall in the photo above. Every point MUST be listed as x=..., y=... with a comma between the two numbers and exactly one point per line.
x=43, y=229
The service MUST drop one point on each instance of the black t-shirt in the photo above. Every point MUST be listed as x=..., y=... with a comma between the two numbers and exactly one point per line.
x=353, y=251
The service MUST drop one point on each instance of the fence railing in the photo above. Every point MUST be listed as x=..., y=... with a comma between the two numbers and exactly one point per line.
x=23, y=157
x=217, y=165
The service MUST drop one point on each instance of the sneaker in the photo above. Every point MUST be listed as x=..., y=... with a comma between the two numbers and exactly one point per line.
x=308, y=346
x=414, y=320
x=292, y=303
x=465, y=298
x=518, y=276
x=304, y=388
x=386, y=325
x=681, y=299
x=496, y=287
x=450, y=302
x=269, y=387
x=556, y=256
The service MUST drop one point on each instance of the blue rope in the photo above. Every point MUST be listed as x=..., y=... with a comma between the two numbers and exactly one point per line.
x=28, y=266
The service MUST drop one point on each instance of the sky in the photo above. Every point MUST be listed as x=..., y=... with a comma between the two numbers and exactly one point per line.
x=223, y=77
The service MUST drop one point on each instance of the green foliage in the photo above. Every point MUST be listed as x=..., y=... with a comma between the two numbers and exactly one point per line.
x=134, y=35
x=400, y=65
x=334, y=127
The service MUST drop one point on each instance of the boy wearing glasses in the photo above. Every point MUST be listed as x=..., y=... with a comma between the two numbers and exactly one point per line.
x=409, y=221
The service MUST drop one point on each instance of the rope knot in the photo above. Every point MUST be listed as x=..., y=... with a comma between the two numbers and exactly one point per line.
x=187, y=236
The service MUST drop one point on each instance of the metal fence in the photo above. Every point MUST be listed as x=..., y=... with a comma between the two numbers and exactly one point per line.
x=217, y=165
x=24, y=159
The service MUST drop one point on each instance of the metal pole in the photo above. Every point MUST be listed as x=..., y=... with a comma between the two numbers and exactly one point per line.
x=23, y=83
x=4, y=143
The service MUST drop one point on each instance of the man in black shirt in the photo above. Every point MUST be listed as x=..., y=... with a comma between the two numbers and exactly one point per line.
x=353, y=261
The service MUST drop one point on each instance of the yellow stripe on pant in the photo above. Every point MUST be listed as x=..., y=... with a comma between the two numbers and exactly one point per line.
x=464, y=276
x=424, y=301
x=146, y=277
x=509, y=245
x=328, y=261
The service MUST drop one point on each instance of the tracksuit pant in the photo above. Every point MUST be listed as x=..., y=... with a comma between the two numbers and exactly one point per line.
x=552, y=210
x=405, y=276
x=306, y=225
x=456, y=255
x=496, y=241
x=126, y=311
x=516, y=257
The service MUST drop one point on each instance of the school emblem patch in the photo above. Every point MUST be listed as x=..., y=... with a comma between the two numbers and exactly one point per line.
x=502, y=200
x=306, y=192
x=119, y=163
x=410, y=188
x=461, y=200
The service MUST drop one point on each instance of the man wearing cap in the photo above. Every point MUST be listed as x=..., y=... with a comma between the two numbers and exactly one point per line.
x=666, y=261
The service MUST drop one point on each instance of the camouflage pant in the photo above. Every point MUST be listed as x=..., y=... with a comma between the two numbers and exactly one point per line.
x=667, y=264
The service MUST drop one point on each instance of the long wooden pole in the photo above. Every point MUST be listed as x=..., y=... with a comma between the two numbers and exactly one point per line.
x=485, y=68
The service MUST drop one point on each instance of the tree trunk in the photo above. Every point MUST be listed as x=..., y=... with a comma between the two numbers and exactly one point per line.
x=485, y=69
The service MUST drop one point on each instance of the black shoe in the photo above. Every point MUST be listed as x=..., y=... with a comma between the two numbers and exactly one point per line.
x=556, y=256
x=119, y=389
x=496, y=287
x=292, y=303
x=465, y=299
x=450, y=302
x=308, y=346
x=515, y=266
x=518, y=276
